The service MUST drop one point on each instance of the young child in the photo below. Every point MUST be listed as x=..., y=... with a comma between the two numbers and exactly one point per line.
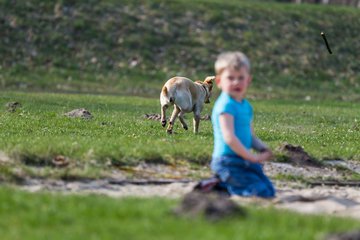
x=239, y=170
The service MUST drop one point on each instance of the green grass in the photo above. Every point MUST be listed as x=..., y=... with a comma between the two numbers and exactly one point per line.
x=120, y=135
x=88, y=46
x=56, y=216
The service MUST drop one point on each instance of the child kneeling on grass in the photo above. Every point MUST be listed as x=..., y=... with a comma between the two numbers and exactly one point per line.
x=240, y=171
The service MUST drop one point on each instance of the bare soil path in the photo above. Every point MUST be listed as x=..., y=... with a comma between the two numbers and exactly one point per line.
x=293, y=195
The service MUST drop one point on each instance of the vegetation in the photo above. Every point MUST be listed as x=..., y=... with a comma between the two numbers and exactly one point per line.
x=99, y=217
x=132, y=47
x=129, y=48
x=119, y=134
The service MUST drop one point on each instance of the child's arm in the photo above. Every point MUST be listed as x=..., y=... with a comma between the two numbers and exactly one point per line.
x=256, y=143
x=227, y=129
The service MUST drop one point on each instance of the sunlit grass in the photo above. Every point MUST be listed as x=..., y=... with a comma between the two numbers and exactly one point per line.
x=56, y=216
x=132, y=47
x=119, y=133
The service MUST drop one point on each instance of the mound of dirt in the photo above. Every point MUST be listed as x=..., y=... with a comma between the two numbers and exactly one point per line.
x=297, y=156
x=212, y=206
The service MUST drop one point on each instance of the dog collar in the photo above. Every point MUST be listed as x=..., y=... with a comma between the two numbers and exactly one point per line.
x=206, y=91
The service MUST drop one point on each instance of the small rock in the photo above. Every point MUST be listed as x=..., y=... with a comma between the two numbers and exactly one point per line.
x=80, y=113
x=4, y=157
x=153, y=116
x=12, y=106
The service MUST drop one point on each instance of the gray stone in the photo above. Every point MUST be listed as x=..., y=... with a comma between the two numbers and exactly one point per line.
x=12, y=106
x=4, y=157
x=79, y=113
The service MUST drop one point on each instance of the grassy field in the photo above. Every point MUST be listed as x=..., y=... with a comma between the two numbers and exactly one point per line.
x=53, y=216
x=132, y=47
x=119, y=134
x=112, y=57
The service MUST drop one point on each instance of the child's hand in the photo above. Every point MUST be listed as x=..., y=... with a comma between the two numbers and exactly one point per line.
x=265, y=156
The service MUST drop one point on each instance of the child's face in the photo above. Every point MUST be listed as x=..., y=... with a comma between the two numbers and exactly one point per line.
x=234, y=82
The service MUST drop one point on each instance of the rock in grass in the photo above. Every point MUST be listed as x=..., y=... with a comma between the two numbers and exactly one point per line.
x=12, y=106
x=152, y=116
x=79, y=113
x=4, y=158
x=212, y=206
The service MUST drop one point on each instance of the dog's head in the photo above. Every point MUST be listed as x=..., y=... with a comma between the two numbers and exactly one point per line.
x=208, y=82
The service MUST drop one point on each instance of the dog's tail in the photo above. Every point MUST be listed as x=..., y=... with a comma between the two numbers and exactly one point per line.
x=165, y=93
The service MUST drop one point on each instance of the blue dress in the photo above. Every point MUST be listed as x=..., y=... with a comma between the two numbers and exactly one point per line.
x=238, y=176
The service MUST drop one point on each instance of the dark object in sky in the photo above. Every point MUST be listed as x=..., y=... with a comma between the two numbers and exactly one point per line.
x=326, y=42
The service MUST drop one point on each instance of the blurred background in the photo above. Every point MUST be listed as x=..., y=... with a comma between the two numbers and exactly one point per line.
x=132, y=47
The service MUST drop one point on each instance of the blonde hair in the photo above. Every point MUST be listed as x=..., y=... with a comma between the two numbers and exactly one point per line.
x=232, y=60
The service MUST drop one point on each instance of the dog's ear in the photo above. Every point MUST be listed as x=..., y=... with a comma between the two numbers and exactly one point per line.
x=209, y=80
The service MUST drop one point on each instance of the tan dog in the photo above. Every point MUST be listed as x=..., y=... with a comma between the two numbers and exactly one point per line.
x=186, y=96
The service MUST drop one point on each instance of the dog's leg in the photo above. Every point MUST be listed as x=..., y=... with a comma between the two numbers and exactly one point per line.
x=196, y=120
x=182, y=120
x=172, y=119
x=163, y=115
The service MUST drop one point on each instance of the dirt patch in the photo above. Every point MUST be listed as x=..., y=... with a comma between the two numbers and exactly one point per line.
x=352, y=235
x=297, y=155
x=340, y=201
x=212, y=206
x=149, y=171
x=156, y=180
x=175, y=181
x=39, y=162
x=292, y=172
x=110, y=187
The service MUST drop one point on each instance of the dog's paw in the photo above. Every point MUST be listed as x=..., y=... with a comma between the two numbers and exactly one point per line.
x=169, y=131
x=185, y=127
x=163, y=123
